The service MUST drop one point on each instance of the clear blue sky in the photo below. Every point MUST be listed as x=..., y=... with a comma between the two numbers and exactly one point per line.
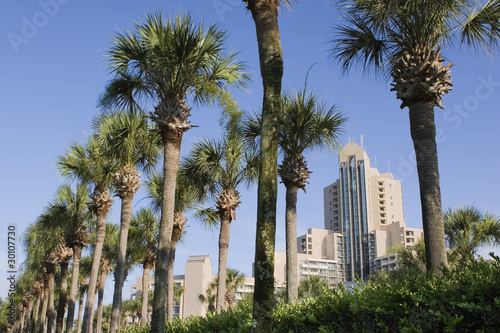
x=53, y=68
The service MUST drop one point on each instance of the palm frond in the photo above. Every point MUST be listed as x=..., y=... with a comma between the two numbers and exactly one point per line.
x=359, y=44
x=481, y=29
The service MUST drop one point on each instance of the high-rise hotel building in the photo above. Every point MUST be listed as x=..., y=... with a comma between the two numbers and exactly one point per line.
x=366, y=207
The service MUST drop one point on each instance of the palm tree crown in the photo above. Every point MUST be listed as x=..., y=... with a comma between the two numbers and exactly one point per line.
x=165, y=62
x=404, y=39
x=467, y=229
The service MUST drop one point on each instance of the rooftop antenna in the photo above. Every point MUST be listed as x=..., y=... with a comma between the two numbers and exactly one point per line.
x=362, y=139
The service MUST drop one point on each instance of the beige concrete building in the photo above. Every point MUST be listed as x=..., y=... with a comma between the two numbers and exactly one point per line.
x=366, y=207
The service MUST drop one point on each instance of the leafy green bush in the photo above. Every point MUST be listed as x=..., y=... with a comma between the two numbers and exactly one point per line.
x=465, y=300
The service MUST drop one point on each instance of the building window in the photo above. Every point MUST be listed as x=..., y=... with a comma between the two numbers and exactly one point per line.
x=309, y=246
x=309, y=240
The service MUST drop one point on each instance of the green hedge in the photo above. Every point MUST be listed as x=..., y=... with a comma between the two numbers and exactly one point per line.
x=466, y=300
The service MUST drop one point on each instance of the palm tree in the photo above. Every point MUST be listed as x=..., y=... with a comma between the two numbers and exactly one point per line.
x=215, y=169
x=41, y=244
x=184, y=199
x=108, y=262
x=73, y=217
x=405, y=39
x=87, y=165
x=210, y=297
x=85, y=271
x=128, y=140
x=70, y=216
x=234, y=278
x=166, y=62
x=304, y=124
x=467, y=229
x=144, y=231
x=312, y=286
x=265, y=16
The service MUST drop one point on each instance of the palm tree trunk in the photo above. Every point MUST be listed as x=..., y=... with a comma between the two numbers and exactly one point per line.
x=63, y=297
x=172, y=146
x=51, y=313
x=33, y=313
x=423, y=133
x=80, y=314
x=126, y=215
x=225, y=225
x=77, y=254
x=292, y=284
x=265, y=15
x=89, y=305
x=100, y=298
x=146, y=276
x=42, y=311
x=21, y=320
x=170, y=278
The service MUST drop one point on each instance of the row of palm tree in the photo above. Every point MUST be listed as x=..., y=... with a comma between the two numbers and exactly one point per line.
x=165, y=62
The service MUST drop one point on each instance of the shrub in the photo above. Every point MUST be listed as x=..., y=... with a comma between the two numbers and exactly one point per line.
x=465, y=300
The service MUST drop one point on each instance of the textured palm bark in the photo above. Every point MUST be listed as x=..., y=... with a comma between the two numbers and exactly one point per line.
x=423, y=133
x=265, y=16
x=292, y=284
x=172, y=145
x=36, y=306
x=63, y=296
x=101, y=233
x=77, y=254
x=178, y=229
x=146, y=276
x=51, y=312
x=80, y=314
x=42, y=311
x=126, y=215
x=225, y=225
x=100, y=297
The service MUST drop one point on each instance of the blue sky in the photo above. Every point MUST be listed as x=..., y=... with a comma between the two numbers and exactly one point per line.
x=54, y=68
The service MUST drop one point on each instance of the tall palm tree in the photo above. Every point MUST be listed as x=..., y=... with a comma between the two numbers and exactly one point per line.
x=70, y=215
x=215, y=169
x=87, y=165
x=84, y=274
x=165, y=62
x=41, y=244
x=144, y=231
x=265, y=16
x=73, y=216
x=305, y=123
x=108, y=263
x=128, y=140
x=404, y=39
x=184, y=199
x=467, y=229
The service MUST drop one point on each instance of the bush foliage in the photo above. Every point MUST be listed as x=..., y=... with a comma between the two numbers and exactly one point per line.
x=465, y=300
